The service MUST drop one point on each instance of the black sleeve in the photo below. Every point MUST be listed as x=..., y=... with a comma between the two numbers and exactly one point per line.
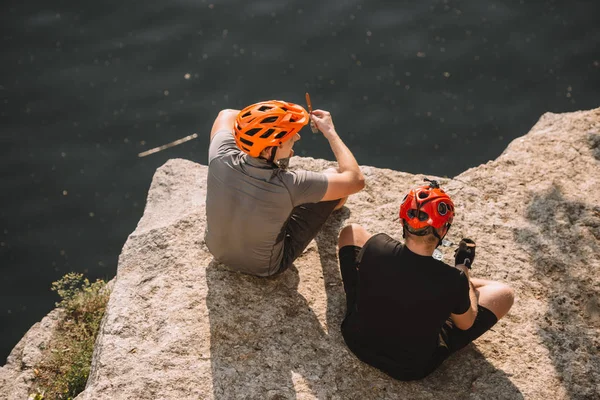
x=463, y=300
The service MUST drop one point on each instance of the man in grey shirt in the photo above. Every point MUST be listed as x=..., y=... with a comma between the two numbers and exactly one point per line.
x=260, y=216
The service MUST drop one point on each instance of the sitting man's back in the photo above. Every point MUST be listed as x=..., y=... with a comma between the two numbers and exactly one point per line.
x=406, y=311
x=260, y=216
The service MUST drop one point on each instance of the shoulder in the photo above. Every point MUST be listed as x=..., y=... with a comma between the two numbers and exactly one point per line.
x=222, y=135
x=379, y=252
x=382, y=239
x=224, y=121
x=303, y=186
x=449, y=273
x=299, y=177
x=222, y=143
x=381, y=244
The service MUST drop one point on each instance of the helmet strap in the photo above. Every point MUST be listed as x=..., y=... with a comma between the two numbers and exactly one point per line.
x=271, y=160
x=440, y=238
x=282, y=163
x=424, y=232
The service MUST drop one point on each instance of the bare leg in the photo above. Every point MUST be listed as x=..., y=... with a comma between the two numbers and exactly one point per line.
x=495, y=296
x=353, y=235
x=341, y=203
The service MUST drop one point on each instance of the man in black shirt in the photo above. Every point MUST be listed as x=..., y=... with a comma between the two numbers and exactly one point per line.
x=406, y=311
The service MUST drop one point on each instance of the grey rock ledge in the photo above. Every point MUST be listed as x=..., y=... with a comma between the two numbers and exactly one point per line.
x=179, y=326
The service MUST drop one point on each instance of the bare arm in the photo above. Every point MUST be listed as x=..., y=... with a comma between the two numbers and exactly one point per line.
x=465, y=321
x=224, y=121
x=348, y=179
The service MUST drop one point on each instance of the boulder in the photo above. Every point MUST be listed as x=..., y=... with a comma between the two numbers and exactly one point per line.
x=179, y=325
x=17, y=376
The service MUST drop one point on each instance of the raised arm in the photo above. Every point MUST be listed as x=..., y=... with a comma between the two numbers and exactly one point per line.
x=348, y=179
x=224, y=121
x=465, y=321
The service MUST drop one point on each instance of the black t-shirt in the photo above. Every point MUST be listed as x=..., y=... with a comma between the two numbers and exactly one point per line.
x=403, y=299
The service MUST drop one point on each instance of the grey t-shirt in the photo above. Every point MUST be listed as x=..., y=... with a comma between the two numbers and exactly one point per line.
x=247, y=204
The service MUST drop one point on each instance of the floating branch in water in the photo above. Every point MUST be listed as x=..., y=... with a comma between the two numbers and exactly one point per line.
x=166, y=146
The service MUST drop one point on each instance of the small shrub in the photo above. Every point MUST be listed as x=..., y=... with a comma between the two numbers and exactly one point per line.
x=65, y=368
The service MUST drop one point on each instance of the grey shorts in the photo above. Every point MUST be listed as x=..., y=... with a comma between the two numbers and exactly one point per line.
x=303, y=224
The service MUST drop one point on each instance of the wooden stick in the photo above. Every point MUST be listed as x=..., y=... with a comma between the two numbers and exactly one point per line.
x=313, y=126
x=308, y=102
x=166, y=146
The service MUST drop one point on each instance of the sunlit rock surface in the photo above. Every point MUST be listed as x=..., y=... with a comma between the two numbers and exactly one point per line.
x=180, y=326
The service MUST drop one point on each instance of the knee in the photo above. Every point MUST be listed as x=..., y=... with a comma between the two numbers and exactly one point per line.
x=509, y=294
x=503, y=290
x=341, y=203
x=505, y=298
x=353, y=235
x=345, y=237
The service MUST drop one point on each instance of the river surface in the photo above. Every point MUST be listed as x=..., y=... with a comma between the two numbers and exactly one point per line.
x=432, y=87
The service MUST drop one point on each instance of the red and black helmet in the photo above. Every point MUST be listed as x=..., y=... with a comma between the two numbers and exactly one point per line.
x=268, y=123
x=426, y=206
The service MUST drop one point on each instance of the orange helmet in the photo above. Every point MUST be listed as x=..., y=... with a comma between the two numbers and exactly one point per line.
x=268, y=123
x=427, y=206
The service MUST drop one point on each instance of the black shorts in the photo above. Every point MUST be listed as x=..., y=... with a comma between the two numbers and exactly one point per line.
x=303, y=224
x=348, y=267
x=451, y=338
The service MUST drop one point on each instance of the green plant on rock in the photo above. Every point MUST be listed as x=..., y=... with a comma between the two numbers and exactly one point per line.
x=65, y=368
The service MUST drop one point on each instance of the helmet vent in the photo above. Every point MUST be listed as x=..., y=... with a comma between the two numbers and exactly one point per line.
x=280, y=135
x=442, y=208
x=267, y=133
x=246, y=114
x=421, y=215
x=269, y=120
x=264, y=108
x=423, y=195
x=252, y=132
x=245, y=141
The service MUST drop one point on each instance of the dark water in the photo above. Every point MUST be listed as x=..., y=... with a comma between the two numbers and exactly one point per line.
x=430, y=87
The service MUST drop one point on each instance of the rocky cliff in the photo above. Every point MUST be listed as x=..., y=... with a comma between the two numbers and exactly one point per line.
x=180, y=326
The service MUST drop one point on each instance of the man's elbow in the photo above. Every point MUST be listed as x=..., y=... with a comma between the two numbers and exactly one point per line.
x=227, y=112
x=224, y=120
x=359, y=182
